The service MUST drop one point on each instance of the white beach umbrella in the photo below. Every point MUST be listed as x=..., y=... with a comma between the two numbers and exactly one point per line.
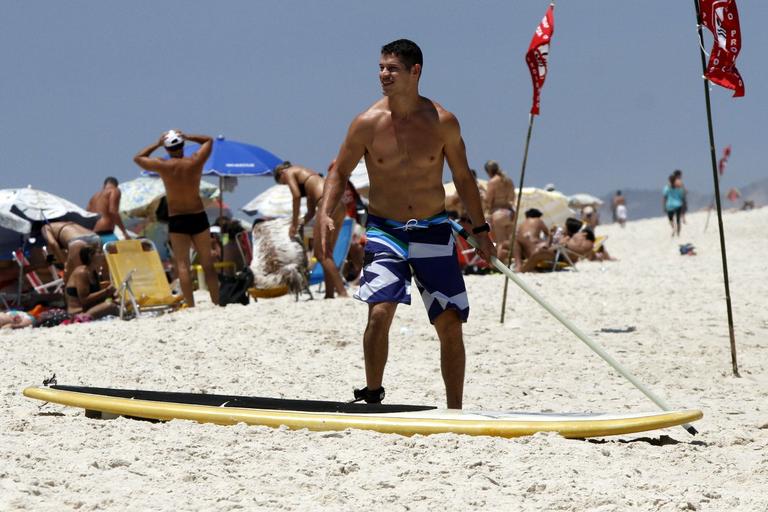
x=359, y=178
x=140, y=197
x=276, y=201
x=553, y=205
x=579, y=201
x=37, y=205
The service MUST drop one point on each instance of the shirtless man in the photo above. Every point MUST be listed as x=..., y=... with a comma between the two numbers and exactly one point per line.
x=531, y=242
x=500, y=207
x=106, y=202
x=187, y=222
x=405, y=139
x=65, y=239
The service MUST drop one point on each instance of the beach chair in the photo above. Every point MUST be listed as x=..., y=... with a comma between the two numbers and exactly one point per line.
x=340, y=251
x=55, y=285
x=138, y=275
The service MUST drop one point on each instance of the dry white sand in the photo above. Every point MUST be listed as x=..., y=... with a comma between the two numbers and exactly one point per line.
x=53, y=458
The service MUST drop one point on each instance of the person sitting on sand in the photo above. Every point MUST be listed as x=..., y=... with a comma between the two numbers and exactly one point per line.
x=304, y=182
x=14, y=319
x=531, y=242
x=84, y=293
x=500, y=207
x=580, y=240
x=65, y=239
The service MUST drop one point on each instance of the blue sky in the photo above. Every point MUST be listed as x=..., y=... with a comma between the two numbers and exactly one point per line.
x=87, y=84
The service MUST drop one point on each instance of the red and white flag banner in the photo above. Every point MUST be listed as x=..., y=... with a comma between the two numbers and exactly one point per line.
x=721, y=17
x=538, y=52
x=724, y=160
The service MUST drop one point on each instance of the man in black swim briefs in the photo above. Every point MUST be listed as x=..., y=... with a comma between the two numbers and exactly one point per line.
x=187, y=222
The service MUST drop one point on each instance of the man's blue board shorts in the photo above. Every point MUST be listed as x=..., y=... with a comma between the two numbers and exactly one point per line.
x=423, y=249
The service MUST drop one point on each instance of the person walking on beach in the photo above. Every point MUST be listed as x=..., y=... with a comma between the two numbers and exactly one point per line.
x=673, y=200
x=619, y=206
x=405, y=139
x=500, y=207
x=678, y=174
x=304, y=182
x=187, y=221
x=106, y=202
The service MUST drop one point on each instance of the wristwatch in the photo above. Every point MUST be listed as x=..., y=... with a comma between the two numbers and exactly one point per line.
x=482, y=229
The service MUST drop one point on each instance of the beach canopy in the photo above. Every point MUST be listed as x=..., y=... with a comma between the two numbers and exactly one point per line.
x=579, y=201
x=140, y=197
x=276, y=201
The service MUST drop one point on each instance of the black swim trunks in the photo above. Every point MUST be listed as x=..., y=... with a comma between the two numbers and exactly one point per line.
x=188, y=223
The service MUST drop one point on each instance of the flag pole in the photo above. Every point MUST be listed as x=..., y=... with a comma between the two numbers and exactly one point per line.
x=516, y=215
x=734, y=363
x=599, y=350
x=534, y=110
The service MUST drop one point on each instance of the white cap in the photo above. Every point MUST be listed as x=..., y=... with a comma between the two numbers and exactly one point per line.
x=549, y=187
x=172, y=138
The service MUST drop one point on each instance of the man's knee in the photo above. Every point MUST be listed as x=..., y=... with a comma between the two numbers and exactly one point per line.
x=380, y=315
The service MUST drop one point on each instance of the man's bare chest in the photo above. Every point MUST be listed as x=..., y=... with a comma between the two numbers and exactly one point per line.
x=416, y=143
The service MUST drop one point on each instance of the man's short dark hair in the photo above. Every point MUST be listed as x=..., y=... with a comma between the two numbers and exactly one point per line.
x=112, y=180
x=533, y=213
x=572, y=225
x=405, y=50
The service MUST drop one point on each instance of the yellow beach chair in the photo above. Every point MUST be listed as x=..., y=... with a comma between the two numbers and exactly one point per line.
x=137, y=273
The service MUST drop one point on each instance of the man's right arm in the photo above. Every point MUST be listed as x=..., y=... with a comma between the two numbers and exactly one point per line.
x=351, y=151
x=143, y=160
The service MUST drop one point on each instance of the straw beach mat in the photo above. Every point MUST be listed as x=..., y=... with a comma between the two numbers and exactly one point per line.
x=279, y=263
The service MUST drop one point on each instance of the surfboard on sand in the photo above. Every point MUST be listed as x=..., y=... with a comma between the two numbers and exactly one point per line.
x=323, y=415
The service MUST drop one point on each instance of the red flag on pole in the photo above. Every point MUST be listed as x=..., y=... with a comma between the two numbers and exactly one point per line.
x=722, y=19
x=724, y=160
x=537, y=54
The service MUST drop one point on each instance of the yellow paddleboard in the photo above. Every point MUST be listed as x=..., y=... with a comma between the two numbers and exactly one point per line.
x=405, y=420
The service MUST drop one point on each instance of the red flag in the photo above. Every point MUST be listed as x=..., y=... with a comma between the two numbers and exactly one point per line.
x=537, y=54
x=724, y=160
x=722, y=19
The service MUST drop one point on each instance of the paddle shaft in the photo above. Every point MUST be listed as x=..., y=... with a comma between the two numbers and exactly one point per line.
x=571, y=327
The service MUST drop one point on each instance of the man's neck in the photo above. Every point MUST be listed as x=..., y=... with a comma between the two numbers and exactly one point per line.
x=405, y=104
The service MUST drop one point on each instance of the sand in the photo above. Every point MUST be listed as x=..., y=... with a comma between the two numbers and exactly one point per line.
x=56, y=459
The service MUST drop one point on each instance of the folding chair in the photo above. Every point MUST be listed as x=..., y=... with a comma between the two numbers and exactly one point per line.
x=138, y=275
x=55, y=285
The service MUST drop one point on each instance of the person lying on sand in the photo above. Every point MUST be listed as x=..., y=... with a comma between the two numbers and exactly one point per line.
x=531, y=242
x=14, y=319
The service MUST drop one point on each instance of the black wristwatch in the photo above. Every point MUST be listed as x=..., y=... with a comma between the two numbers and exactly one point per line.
x=485, y=228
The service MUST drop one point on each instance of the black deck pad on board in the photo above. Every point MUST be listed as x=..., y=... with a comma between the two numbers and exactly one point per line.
x=248, y=402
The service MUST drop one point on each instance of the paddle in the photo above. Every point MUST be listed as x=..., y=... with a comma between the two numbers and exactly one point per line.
x=575, y=330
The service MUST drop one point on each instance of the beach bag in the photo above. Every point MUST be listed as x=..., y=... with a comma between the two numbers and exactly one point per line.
x=234, y=289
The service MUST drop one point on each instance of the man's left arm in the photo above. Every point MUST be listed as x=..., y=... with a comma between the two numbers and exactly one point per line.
x=114, y=211
x=466, y=186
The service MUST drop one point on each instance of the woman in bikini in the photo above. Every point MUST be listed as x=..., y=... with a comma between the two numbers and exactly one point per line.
x=84, y=293
x=304, y=182
x=65, y=239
